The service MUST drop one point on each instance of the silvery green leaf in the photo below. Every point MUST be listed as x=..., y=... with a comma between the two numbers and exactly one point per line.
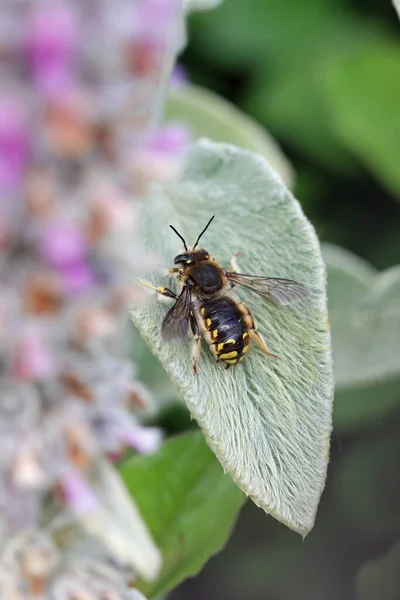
x=116, y=523
x=136, y=595
x=268, y=421
x=209, y=115
x=364, y=312
x=396, y=4
x=192, y=5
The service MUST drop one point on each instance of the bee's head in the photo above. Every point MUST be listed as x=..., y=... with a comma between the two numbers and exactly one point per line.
x=191, y=255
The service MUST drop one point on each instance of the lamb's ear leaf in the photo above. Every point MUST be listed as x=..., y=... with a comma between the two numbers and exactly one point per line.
x=365, y=319
x=268, y=421
x=209, y=115
x=199, y=5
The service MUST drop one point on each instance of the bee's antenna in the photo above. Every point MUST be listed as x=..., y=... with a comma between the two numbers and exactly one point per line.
x=179, y=235
x=204, y=230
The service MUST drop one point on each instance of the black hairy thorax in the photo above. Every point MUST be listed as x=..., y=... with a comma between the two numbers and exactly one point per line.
x=207, y=278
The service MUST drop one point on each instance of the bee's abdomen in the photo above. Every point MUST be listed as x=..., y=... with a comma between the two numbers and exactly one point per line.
x=228, y=336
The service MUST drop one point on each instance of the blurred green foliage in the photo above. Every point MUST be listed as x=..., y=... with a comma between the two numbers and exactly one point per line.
x=379, y=579
x=305, y=72
x=323, y=76
x=209, y=115
x=188, y=503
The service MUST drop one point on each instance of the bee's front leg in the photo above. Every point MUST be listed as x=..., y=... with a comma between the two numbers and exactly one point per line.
x=164, y=291
x=175, y=270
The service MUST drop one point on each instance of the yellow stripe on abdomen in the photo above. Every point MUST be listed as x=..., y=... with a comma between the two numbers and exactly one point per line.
x=228, y=355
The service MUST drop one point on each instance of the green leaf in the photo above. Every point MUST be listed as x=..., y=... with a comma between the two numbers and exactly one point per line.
x=379, y=579
x=365, y=319
x=268, y=421
x=188, y=503
x=365, y=407
x=258, y=33
x=292, y=105
x=283, y=51
x=363, y=93
x=209, y=115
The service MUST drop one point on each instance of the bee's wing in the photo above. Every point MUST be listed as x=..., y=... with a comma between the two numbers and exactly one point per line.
x=274, y=289
x=176, y=322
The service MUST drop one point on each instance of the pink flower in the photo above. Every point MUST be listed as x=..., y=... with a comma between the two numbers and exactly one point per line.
x=179, y=76
x=153, y=17
x=33, y=360
x=144, y=440
x=51, y=42
x=62, y=244
x=77, y=493
x=77, y=277
x=172, y=140
x=14, y=143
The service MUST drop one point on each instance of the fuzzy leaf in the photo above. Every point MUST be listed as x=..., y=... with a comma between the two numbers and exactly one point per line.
x=193, y=5
x=209, y=115
x=189, y=505
x=365, y=319
x=268, y=421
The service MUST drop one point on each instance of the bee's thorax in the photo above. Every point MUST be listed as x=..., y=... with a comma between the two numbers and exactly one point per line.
x=208, y=278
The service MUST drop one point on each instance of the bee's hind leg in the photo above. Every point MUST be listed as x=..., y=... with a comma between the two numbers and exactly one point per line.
x=261, y=343
x=197, y=355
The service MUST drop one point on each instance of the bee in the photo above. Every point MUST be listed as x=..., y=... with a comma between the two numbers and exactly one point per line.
x=207, y=307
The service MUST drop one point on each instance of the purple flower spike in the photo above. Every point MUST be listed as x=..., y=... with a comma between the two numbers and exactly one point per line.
x=171, y=140
x=62, y=244
x=51, y=42
x=145, y=440
x=33, y=360
x=14, y=145
x=77, y=494
x=179, y=76
x=78, y=278
x=155, y=16
x=82, y=82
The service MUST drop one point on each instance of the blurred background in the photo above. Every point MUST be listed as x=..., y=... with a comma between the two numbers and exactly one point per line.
x=323, y=77
x=315, y=87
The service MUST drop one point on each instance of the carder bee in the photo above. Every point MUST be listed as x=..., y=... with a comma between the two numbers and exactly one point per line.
x=207, y=307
